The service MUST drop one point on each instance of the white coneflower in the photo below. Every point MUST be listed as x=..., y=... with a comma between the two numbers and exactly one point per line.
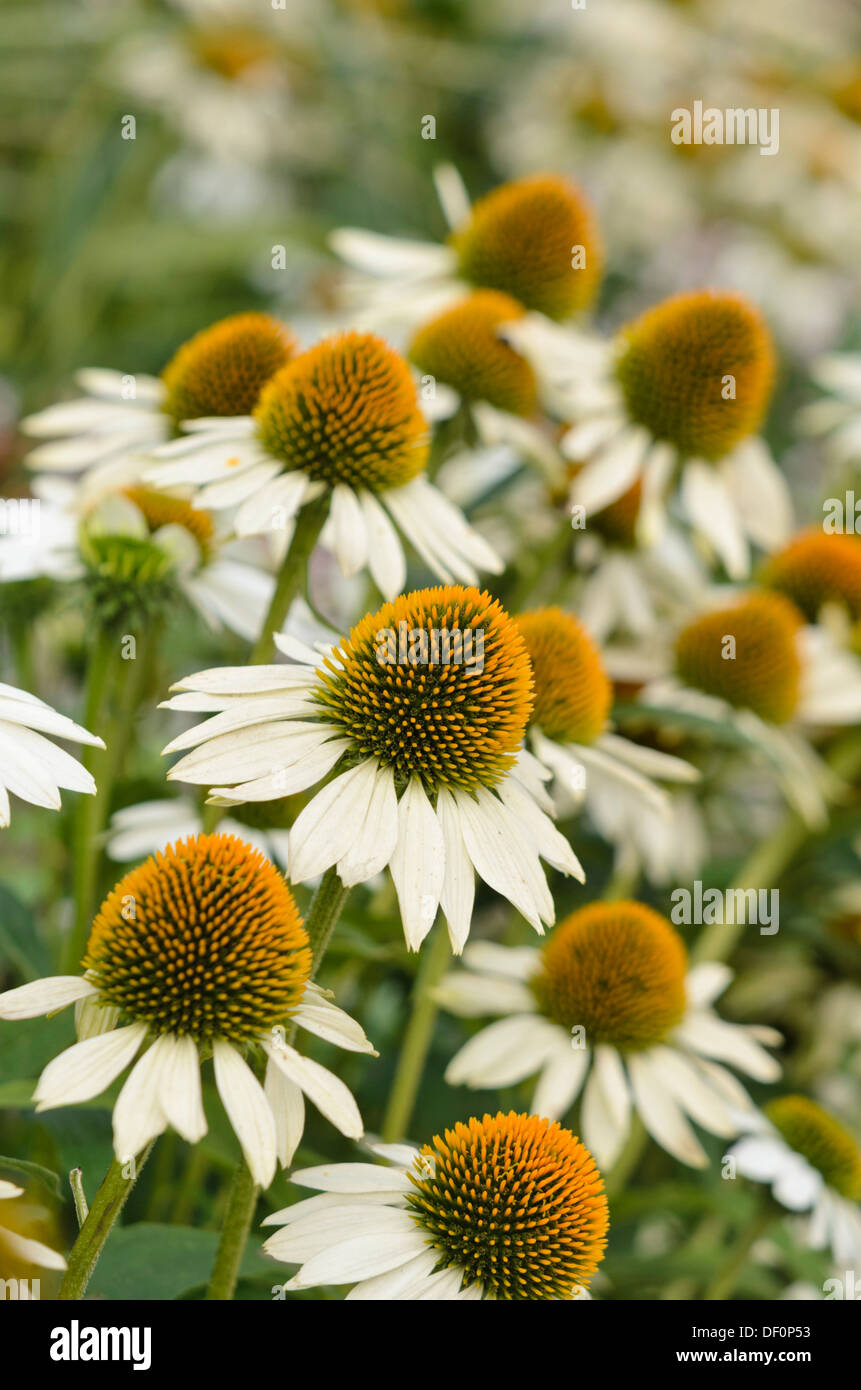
x=507, y=1207
x=342, y=421
x=533, y=239
x=421, y=713
x=813, y=1165
x=121, y=417
x=135, y=549
x=30, y=765
x=198, y=952
x=569, y=733
x=609, y=1007
x=683, y=389
x=17, y=1249
x=755, y=663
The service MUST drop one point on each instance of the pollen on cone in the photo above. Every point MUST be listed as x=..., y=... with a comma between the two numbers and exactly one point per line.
x=698, y=370
x=222, y=369
x=515, y=1202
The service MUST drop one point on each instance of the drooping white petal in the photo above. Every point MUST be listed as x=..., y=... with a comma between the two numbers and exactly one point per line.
x=326, y=827
x=248, y=1111
x=560, y=1080
x=494, y=842
x=138, y=1115
x=661, y=1115
x=179, y=1086
x=375, y=835
x=711, y=511
x=458, y=888
x=418, y=863
x=331, y=1097
x=287, y=1104
x=504, y=1052
x=385, y=553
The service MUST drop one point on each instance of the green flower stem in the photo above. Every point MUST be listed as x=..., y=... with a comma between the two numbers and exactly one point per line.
x=102, y=670
x=107, y=1205
x=725, y=1279
x=417, y=1039
x=325, y=910
x=771, y=857
x=234, y=1234
x=309, y=524
x=110, y=677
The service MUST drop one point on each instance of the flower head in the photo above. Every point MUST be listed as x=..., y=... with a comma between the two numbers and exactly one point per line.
x=340, y=426
x=508, y=1207
x=214, y=946
x=522, y=239
x=618, y=970
x=812, y=1163
x=345, y=412
x=453, y=718
x=572, y=691
x=697, y=370
x=199, y=952
x=420, y=714
x=106, y=433
x=222, y=369
x=815, y=568
x=609, y=1007
x=461, y=348
x=822, y=1140
x=746, y=654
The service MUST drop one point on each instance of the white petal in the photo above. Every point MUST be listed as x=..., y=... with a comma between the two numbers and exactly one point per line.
x=331, y=1097
x=248, y=1111
x=46, y=996
x=375, y=835
x=560, y=1081
x=385, y=554
x=458, y=889
x=325, y=829
x=504, y=1052
x=495, y=844
x=179, y=1086
x=711, y=511
x=138, y=1116
x=661, y=1116
x=418, y=863
x=86, y=1068
x=347, y=523
x=288, y=1110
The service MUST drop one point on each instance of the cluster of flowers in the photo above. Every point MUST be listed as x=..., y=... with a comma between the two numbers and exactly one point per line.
x=220, y=482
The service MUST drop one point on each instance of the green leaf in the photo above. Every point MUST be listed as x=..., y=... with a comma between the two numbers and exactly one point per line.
x=33, y=1170
x=150, y=1261
x=20, y=943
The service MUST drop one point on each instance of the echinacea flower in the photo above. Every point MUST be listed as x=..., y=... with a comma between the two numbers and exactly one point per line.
x=199, y=952
x=569, y=733
x=681, y=390
x=30, y=765
x=813, y=1165
x=818, y=568
x=507, y=1207
x=120, y=418
x=135, y=550
x=756, y=664
x=21, y=1250
x=341, y=421
x=421, y=714
x=533, y=239
x=608, y=1007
